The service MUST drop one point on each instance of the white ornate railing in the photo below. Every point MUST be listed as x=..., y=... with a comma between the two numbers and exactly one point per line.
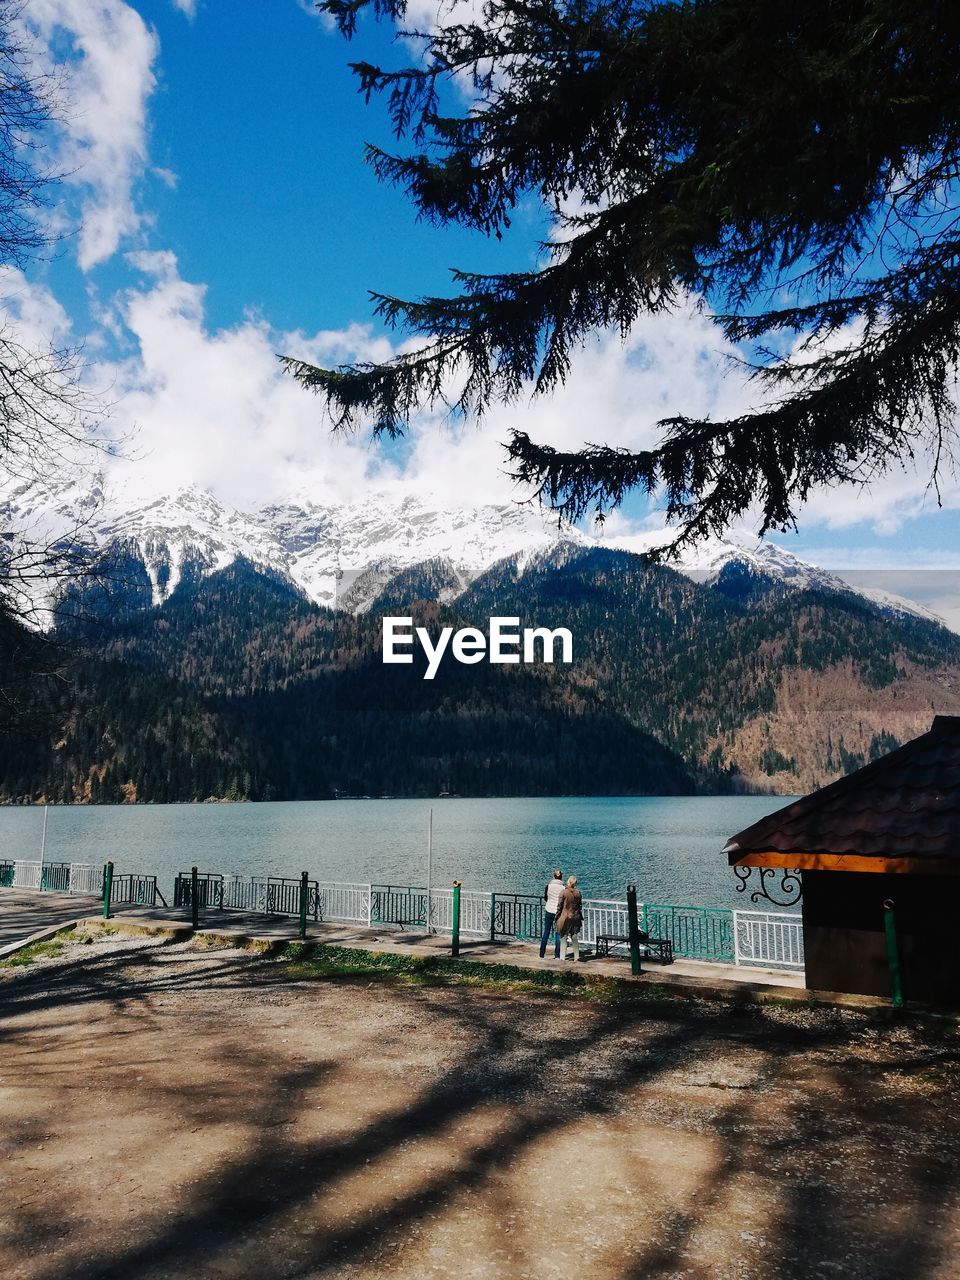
x=86, y=877
x=26, y=875
x=347, y=902
x=474, y=911
x=768, y=937
x=604, y=915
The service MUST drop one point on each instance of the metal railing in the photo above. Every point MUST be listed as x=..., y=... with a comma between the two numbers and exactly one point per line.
x=697, y=933
x=264, y=895
x=242, y=893
x=607, y=916
x=516, y=915
x=400, y=904
x=283, y=897
x=81, y=878
x=87, y=878
x=475, y=912
x=745, y=938
x=768, y=938
x=347, y=902
x=56, y=877
x=134, y=889
x=26, y=874
x=209, y=891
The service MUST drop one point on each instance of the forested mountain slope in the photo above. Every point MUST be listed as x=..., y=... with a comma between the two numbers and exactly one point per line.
x=240, y=687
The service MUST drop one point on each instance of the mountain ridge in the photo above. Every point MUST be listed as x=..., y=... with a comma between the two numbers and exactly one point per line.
x=239, y=686
x=344, y=555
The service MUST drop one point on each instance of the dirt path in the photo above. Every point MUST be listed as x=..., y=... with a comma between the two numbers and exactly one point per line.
x=180, y=1112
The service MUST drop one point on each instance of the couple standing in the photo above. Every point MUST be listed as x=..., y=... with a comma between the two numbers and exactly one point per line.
x=563, y=904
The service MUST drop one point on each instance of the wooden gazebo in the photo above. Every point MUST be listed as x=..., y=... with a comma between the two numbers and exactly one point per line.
x=878, y=854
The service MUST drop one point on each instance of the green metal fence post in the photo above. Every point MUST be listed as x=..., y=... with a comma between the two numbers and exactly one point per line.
x=194, y=897
x=493, y=927
x=107, y=888
x=304, y=890
x=633, y=928
x=455, y=922
x=893, y=953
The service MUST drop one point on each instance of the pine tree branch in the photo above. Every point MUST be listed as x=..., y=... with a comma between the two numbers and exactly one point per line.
x=794, y=167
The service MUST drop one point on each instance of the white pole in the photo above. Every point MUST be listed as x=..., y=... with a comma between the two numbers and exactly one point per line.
x=429, y=866
x=43, y=843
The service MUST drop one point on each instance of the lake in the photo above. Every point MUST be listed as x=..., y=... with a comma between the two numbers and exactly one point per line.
x=669, y=847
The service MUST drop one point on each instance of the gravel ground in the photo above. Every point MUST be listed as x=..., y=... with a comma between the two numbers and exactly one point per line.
x=180, y=1111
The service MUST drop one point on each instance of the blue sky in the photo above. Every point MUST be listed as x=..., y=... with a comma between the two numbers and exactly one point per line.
x=218, y=210
x=260, y=122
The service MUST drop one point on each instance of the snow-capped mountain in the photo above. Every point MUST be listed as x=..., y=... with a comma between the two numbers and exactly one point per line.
x=764, y=561
x=900, y=607
x=706, y=561
x=338, y=554
x=343, y=555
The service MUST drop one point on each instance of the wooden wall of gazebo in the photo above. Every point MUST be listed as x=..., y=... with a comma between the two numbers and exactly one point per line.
x=887, y=834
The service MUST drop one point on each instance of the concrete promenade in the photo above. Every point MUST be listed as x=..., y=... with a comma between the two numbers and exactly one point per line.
x=26, y=912
x=29, y=911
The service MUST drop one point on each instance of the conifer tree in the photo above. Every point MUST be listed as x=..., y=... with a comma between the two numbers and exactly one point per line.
x=794, y=166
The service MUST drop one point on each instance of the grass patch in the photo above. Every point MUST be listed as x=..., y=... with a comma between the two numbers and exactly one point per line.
x=96, y=929
x=306, y=960
x=313, y=960
x=36, y=951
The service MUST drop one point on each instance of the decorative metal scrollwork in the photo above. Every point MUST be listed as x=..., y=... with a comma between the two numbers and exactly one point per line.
x=790, y=885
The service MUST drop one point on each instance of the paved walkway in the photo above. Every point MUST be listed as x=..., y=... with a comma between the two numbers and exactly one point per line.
x=414, y=942
x=24, y=912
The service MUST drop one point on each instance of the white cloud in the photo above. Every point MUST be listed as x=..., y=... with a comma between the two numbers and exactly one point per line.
x=188, y=7
x=160, y=263
x=435, y=15
x=59, y=420
x=615, y=394
x=216, y=409
x=109, y=78
x=889, y=502
x=35, y=315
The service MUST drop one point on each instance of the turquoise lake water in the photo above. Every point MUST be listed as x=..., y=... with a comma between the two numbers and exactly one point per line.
x=669, y=847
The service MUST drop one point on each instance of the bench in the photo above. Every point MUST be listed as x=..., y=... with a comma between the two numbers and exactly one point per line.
x=653, y=948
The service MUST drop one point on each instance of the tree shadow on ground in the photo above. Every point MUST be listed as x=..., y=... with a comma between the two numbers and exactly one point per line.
x=812, y=1092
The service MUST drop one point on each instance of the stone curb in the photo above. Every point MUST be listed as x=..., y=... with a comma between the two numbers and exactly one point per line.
x=42, y=935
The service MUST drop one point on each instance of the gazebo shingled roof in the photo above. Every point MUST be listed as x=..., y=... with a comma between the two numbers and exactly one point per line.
x=899, y=813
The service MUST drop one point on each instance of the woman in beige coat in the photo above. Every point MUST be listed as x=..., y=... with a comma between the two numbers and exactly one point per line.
x=570, y=918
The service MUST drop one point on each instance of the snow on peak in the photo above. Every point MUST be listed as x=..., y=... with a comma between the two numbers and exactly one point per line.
x=383, y=532
x=341, y=554
x=707, y=559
